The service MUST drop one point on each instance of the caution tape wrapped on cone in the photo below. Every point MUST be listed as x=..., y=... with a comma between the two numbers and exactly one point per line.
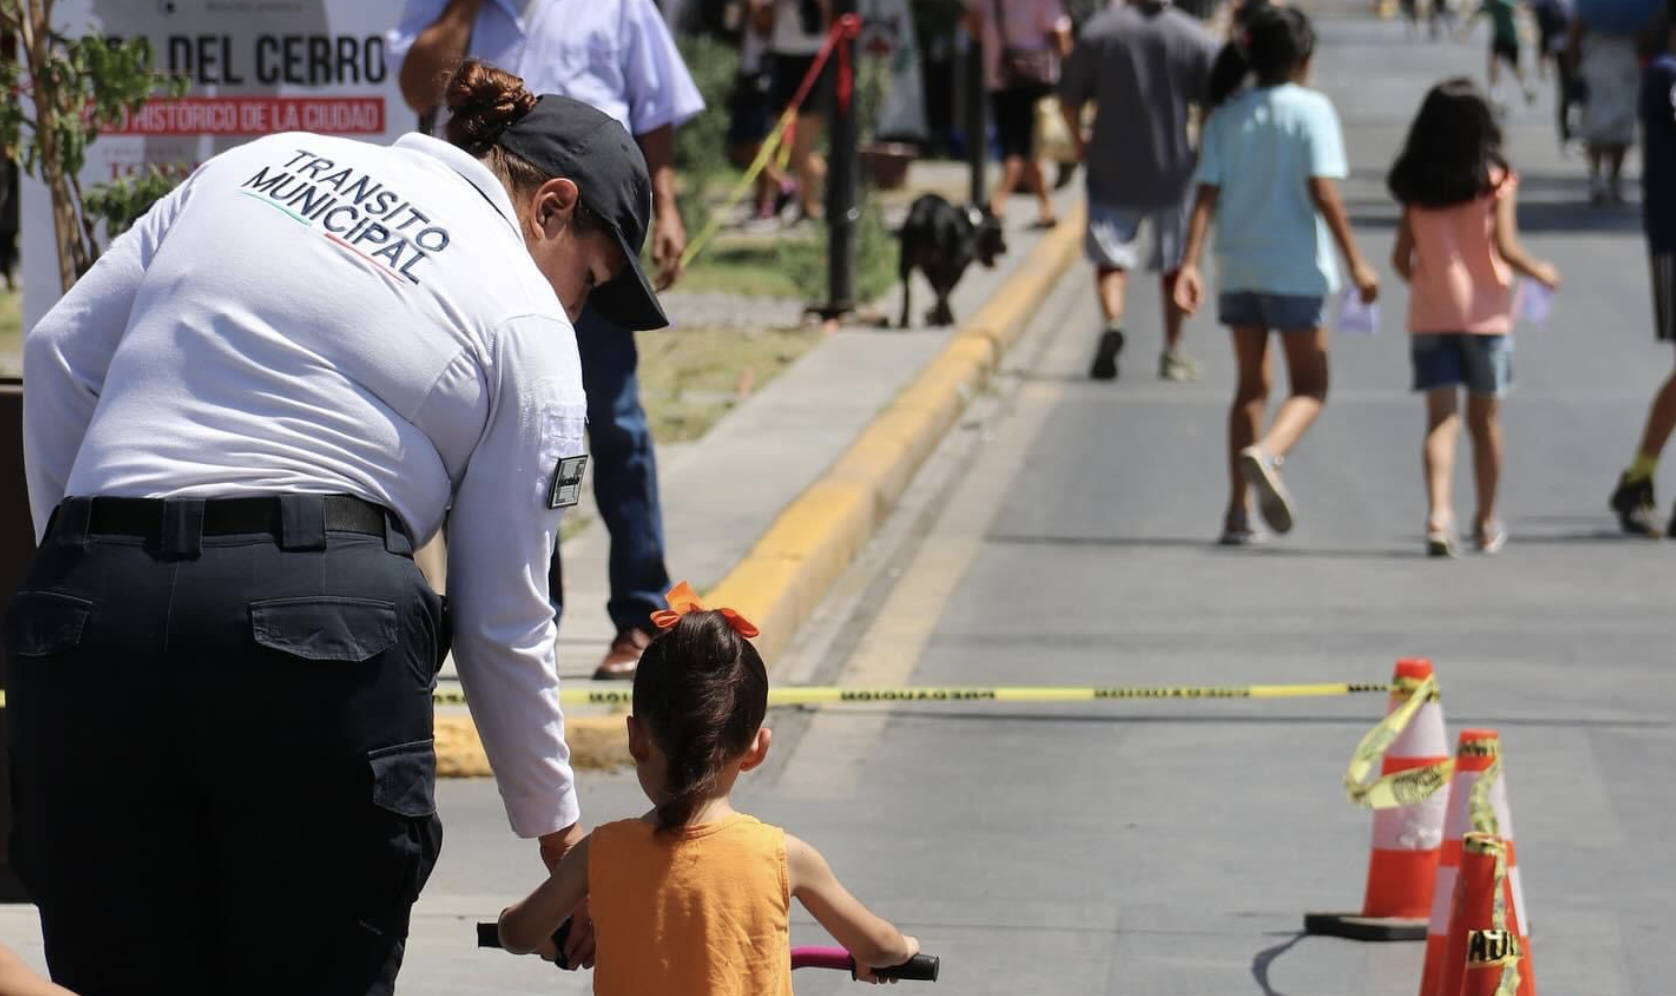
x=1500, y=946
x=1478, y=802
x=1402, y=788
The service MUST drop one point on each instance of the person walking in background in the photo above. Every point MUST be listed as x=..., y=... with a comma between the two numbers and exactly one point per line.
x=1553, y=22
x=1023, y=41
x=1610, y=71
x=618, y=56
x=1268, y=169
x=1458, y=248
x=750, y=118
x=1143, y=65
x=1633, y=500
x=1503, y=16
x=796, y=31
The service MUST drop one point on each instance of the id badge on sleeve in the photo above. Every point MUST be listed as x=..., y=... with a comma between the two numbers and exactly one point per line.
x=567, y=482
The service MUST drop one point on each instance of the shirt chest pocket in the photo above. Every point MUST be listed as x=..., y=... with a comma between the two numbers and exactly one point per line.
x=581, y=53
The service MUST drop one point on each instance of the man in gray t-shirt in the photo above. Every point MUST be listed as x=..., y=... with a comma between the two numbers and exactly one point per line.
x=1143, y=64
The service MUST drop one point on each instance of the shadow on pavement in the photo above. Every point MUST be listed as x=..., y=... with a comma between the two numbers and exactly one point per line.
x=1266, y=957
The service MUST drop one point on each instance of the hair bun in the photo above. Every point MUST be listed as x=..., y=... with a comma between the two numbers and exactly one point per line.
x=482, y=102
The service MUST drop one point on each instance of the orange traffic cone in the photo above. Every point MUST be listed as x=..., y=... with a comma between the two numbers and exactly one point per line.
x=1487, y=941
x=1402, y=868
x=1477, y=753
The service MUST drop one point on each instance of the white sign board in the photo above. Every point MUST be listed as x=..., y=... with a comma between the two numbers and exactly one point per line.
x=256, y=66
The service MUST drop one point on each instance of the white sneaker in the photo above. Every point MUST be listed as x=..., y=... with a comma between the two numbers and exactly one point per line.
x=1262, y=472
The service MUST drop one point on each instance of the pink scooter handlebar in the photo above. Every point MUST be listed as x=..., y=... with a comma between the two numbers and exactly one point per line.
x=919, y=968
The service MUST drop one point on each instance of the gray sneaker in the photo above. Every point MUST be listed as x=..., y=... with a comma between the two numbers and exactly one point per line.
x=1175, y=365
x=1262, y=472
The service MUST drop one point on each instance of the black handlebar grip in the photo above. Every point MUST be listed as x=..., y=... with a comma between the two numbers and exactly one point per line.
x=919, y=968
x=488, y=936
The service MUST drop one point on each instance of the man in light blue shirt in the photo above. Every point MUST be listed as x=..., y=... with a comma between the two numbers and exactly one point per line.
x=618, y=56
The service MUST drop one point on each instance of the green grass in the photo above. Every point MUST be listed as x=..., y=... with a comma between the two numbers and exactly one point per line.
x=792, y=267
x=691, y=377
x=11, y=333
x=745, y=267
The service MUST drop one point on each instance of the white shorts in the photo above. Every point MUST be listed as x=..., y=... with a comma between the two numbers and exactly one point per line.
x=1113, y=241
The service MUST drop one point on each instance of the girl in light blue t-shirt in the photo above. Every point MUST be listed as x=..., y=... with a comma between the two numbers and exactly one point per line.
x=1269, y=160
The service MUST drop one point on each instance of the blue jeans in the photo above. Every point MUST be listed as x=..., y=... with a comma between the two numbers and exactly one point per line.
x=625, y=476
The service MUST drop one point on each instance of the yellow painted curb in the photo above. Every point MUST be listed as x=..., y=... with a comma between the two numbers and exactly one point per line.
x=596, y=742
x=814, y=539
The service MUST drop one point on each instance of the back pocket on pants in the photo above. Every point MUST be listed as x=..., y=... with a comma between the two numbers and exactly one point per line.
x=325, y=627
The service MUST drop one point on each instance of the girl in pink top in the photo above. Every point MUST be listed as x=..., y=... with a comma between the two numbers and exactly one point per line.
x=1458, y=248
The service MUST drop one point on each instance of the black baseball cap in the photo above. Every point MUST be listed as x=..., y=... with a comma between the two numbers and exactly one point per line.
x=567, y=138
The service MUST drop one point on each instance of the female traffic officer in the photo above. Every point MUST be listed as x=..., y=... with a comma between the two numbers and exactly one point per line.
x=238, y=426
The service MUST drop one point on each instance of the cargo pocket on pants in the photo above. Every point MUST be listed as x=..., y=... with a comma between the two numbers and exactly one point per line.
x=404, y=832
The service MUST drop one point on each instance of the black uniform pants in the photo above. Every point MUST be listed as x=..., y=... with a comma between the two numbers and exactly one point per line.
x=222, y=760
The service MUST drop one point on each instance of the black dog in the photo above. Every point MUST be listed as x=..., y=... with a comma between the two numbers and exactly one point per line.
x=941, y=240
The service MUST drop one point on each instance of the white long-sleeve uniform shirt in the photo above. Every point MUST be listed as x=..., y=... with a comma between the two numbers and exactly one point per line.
x=318, y=315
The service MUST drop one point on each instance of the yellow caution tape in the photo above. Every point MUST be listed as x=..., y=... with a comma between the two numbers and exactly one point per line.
x=831, y=695
x=719, y=215
x=1478, y=802
x=1402, y=788
x=1498, y=946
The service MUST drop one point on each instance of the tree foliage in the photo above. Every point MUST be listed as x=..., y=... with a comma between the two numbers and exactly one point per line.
x=77, y=88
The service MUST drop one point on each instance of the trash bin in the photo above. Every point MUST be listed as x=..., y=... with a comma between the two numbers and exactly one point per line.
x=17, y=546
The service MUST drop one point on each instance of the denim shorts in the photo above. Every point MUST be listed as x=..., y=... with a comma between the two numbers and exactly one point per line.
x=1280, y=312
x=1483, y=364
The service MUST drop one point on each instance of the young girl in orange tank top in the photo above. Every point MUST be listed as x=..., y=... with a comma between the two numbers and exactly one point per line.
x=695, y=897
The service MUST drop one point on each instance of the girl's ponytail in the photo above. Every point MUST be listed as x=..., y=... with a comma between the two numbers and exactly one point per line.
x=702, y=691
x=1275, y=42
x=1228, y=73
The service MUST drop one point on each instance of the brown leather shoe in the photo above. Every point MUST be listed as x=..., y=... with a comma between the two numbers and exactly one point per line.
x=624, y=656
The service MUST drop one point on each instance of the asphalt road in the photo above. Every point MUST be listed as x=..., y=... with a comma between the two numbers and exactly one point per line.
x=1161, y=848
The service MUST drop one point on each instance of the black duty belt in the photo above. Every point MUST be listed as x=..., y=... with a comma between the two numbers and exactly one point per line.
x=143, y=517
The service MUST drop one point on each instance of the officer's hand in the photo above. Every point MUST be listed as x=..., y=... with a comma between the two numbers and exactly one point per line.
x=669, y=241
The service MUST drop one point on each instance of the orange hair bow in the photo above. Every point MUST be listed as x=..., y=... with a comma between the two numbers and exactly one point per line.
x=682, y=600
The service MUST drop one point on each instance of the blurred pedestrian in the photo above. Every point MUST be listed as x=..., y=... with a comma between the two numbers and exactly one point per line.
x=796, y=32
x=618, y=56
x=1023, y=41
x=750, y=118
x=1610, y=70
x=1503, y=16
x=1269, y=165
x=1634, y=500
x=1458, y=248
x=1553, y=21
x=1143, y=65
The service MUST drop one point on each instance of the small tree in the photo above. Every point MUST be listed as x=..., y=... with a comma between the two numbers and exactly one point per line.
x=78, y=86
